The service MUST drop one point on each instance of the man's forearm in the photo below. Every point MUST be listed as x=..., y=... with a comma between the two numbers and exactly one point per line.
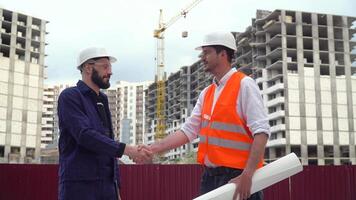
x=256, y=153
x=172, y=141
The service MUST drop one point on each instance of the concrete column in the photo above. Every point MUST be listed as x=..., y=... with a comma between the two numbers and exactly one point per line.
x=350, y=114
x=285, y=78
x=300, y=63
x=316, y=58
x=11, y=84
x=330, y=29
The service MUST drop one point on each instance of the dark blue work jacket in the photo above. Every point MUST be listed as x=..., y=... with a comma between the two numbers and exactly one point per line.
x=86, y=153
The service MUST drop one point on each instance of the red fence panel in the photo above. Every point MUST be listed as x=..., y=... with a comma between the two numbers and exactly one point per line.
x=28, y=182
x=174, y=182
x=177, y=182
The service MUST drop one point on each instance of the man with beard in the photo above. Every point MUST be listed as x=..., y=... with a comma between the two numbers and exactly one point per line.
x=87, y=150
x=230, y=120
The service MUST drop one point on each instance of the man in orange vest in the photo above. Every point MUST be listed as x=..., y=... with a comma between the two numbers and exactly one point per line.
x=230, y=120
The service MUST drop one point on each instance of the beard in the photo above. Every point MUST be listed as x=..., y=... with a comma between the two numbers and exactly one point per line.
x=99, y=81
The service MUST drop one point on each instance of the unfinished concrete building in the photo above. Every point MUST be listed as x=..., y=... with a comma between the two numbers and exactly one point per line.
x=22, y=71
x=304, y=66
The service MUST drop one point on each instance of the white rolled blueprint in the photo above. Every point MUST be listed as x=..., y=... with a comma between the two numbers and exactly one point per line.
x=266, y=176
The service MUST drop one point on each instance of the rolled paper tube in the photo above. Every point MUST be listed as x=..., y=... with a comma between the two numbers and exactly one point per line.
x=264, y=177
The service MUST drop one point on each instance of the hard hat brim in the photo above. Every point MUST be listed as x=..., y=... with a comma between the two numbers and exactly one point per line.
x=112, y=59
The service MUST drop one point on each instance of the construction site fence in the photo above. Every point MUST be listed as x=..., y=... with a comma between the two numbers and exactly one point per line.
x=177, y=182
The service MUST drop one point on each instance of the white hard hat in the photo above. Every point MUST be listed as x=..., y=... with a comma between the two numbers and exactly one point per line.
x=219, y=38
x=93, y=52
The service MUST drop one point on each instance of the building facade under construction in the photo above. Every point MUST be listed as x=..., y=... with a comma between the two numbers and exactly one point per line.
x=304, y=67
x=22, y=71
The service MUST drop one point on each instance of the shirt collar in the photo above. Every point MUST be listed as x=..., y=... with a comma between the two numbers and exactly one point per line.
x=226, y=77
x=84, y=88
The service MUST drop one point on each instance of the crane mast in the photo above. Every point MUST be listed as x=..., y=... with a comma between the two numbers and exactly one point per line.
x=160, y=75
x=160, y=79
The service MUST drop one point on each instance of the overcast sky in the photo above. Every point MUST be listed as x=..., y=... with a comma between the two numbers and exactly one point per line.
x=125, y=28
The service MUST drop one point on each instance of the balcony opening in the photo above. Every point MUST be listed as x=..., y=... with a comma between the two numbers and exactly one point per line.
x=272, y=122
x=345, y=162
x=282, y=134
x=36, y=36
x=15, y=150
x=280, y=152
x=328, y=151
x=351, y=22
x=2, y=151
x=291, y=30
x=312, y=151
x=323, y=45
x=337, y=21
x=338, y=34
x=322, y=19
x=306, y=18
x=329, y=161
x=36, y=23
x=324, y=58
x=307, y=31
x=5, y=39
x=30, y=152
x=308, y=58
x=292, y=68
x=290, y=17
x=20, y=43
x=271, y=83
x=291, y=42
x=339, y=59
x=291, y=56
x=20, y=54
x=323, y=32
x=296, y=149
x=340, y=71
x=272, y=109
x=266, y=154
x=325, y=71
x=344, y=151
x=307, y=44
x=273, y=136
x=312, y=162
x=7, y=15
x=353, y=69
x=6, y=28
x=22, y=20
x=4, y=51
x=339, y=46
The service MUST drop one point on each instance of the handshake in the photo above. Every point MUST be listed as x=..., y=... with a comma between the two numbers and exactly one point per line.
x=141, y=154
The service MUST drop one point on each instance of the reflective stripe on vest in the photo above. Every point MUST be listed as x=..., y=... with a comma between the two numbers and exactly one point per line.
x=223, y=127
x=242, y=146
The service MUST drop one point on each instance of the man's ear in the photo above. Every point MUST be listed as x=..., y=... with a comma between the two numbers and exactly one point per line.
x=87, y=69
x=223, y=53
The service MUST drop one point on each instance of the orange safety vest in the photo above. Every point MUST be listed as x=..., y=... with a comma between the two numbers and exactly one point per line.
x=224, y=136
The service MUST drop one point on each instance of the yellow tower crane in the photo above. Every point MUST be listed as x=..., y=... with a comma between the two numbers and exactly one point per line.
x=160, y=79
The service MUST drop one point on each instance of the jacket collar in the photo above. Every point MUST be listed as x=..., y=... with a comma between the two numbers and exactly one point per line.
x=85, y=89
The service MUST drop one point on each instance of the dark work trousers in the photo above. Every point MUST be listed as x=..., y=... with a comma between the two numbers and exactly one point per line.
x=215, y=177
x=89, y=190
